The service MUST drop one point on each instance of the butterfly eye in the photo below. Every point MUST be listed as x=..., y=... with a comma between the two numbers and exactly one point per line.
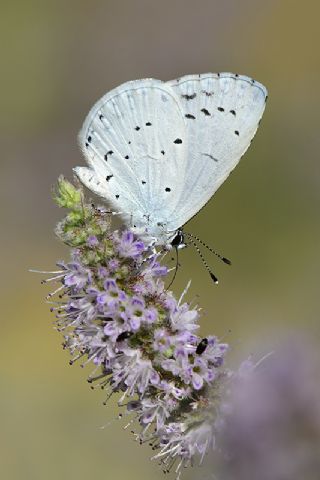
x=178, y=240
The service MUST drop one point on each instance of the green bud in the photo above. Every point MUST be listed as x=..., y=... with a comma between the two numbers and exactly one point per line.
x=169, y=352
x=75, y=217
x=66, y=195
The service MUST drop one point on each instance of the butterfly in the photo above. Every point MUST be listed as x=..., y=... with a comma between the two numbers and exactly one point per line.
x=157, y=151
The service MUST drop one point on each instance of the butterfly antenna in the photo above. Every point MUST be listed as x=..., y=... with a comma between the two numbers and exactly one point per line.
x=176, y=269
x=212, y=275
x=194, y=237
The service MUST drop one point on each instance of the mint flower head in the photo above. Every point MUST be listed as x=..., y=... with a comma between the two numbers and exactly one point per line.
x=115, y=313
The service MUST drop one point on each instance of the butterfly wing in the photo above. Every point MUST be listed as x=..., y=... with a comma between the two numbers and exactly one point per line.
x=222, y=113
x=134, y=141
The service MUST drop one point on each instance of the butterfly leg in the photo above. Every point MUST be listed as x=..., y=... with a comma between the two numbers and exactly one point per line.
x=102, y=210
x=111, y=212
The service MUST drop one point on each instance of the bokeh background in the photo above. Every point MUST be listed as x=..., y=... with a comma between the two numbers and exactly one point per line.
x=57, y=59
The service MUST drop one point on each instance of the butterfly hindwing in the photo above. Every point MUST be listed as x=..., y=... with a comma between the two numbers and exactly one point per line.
x=222, y=112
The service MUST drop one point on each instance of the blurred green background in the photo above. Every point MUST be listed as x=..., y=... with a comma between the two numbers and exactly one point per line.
x=57, y=59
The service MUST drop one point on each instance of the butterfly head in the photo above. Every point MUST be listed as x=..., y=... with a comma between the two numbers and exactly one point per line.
x=178, y=240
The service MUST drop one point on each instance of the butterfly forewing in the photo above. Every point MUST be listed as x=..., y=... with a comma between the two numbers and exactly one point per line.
x=134, y=141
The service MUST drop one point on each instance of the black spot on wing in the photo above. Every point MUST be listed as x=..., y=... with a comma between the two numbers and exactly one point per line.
x=189, y=97
x=163, y=152
x=188, y=115
x=210, y=156
x=167, y=189
x=110, y=152
x=137, y=128
x=108, y=177
x=101, y=116
x=148, y=124
x=117, y=196
x=143, y=182
x=236, y=132
x=233, y=112
x=127, y=157
x=207, y=94
x=206, y=112
x=177, y=141
x=89, y=139
x=221, y=109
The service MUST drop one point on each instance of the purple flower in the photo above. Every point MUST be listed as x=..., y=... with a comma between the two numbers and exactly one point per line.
x=162, y=340
x=150, y=410
x=150, y=315
x=77, y=276
x=154, y=269
x=199, y=372
x=214, y=352
x=133, y=312
x=113, y=264
x=273, y=428
x=179, y=364
x=128, y=246
x=136, y=373
x=185, y=319
x=92, y=241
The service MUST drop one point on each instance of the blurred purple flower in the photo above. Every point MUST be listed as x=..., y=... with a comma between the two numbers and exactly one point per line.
x=92, y=241
x=273, y=430
x=127, y=245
